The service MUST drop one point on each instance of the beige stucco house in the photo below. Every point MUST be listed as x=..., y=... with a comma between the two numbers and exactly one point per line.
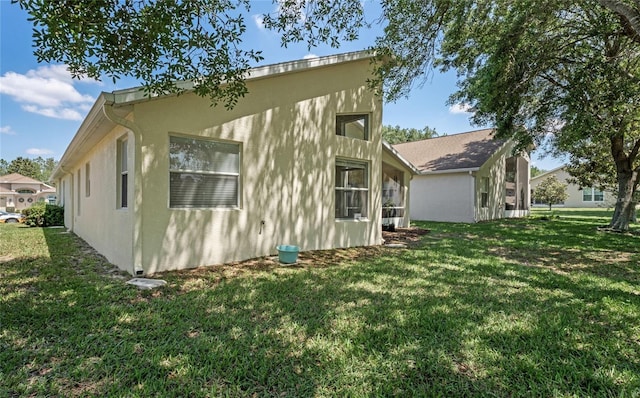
x=578, y=197
x=171, y=182
x=467, y=177
x=18, y=192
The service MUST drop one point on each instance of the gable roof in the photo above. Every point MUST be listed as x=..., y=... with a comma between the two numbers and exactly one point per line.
x=546, y=173
x=394, y=154
x=16, y=178
x=464, y=151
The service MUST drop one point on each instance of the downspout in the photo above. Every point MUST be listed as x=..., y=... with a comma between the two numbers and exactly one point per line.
x=474, y=189
x=136, y=232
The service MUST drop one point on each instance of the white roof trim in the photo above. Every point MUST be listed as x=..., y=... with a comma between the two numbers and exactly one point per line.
x=546, y=173
x=449, y=171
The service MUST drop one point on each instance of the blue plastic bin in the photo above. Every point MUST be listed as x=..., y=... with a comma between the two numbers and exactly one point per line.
x=288, y=254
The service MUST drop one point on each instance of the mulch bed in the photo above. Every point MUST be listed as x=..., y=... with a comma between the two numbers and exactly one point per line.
x=407, y=236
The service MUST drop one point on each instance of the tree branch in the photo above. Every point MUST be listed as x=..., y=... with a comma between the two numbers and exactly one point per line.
x=629, y=15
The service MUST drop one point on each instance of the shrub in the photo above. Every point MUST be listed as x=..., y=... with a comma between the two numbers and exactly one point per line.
x=44, y=215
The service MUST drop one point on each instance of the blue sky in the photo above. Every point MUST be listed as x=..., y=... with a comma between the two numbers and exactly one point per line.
x=41, y=107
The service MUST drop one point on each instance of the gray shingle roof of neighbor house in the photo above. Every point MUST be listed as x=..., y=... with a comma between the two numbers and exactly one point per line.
x=466, y=151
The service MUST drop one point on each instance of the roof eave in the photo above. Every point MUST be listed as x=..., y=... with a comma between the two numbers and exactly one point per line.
x=92, y=121
x=449, y=171
x=414, y=170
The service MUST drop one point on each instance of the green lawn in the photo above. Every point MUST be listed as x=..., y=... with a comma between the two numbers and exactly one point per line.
x=529, y=307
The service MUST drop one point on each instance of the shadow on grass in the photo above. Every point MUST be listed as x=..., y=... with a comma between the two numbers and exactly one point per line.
x=447, y=318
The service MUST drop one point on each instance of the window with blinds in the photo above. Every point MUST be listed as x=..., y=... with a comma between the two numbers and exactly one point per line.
x=203, y=173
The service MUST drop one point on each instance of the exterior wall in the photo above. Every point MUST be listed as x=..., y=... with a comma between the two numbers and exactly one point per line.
x=494, y=169
x=286, y=130
x=390, y=160
x=100, y=222
x=575, y=198
x=457, y=196
x=443, y=197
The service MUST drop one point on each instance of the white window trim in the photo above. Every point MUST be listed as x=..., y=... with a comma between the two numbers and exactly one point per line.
x=238, y=175
x=355, y=189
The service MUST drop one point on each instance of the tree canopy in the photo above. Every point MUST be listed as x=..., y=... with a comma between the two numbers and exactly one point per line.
x=39, y=168
x=397, y=134
x=551, y=191
x=563, y=71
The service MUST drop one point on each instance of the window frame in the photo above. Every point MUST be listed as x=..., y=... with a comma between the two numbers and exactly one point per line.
x=364, y=208
x=484, y=192
x=235, y=175
x=340, y=125
x=78, y=194
x=87, y=180
x=592, y=192
x=122, y=173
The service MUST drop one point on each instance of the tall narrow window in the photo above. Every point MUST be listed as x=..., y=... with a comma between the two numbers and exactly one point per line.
x=123, y=173
x=353, y=126
x=78, y=193
x=203, y=173
x=87, y=180
x=352, y=189
x=484, y=192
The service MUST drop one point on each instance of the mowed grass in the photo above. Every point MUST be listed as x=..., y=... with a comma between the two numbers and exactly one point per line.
x=526, y=307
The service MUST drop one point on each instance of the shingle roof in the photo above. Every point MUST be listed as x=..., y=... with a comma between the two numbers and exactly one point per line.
x=458, y=151
x=16, y=178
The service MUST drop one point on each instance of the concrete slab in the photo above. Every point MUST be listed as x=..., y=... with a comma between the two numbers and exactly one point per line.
x=146, y=283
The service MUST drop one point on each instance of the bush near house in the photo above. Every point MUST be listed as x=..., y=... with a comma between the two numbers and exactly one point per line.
x=44, y=215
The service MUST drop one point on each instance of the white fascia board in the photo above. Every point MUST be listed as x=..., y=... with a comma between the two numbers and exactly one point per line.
x=540, y=176
x=450, y=171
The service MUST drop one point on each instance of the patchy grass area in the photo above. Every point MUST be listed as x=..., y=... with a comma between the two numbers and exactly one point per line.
x=508, y=308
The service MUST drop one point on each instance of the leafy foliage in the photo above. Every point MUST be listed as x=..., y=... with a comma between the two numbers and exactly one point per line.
x=536, y=171
x=397, y=134
x=162, y=43
x=39, y=168
x=534, y=69
x=551, y=191
x=529, y=68
x=44, y=215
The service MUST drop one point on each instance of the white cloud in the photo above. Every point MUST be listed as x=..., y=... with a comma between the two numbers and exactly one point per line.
x=7, y=130
x=48, y=90
x=39, y=152
x=310, y=56
x=53, y=112
x=258, y=19
x=457, y=109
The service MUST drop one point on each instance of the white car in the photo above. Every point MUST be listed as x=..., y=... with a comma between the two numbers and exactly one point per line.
x=10, y=217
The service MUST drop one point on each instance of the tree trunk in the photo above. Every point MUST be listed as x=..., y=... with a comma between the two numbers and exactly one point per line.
x=627, y=178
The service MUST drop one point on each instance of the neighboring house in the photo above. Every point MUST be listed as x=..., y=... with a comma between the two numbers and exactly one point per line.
x=467, y=177
x=585, y=197
x=171, y=182
x=18, y=192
